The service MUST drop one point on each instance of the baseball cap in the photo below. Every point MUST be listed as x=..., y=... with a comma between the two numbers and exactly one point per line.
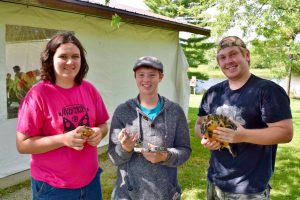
x=231, y=41
x=148, y=61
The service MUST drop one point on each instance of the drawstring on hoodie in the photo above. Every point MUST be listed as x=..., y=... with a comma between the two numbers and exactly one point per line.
x=166, y=127
x=139, y=141
x=140, y=136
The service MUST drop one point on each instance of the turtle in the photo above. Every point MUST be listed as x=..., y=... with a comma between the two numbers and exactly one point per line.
x=86, y=131
x=211, y=122
x=155, y=149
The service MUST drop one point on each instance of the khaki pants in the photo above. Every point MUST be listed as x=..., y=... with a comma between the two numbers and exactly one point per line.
x=215, y=193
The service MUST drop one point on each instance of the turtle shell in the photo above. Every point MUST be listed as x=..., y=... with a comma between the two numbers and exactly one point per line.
x=211, y=122
x=86, y=131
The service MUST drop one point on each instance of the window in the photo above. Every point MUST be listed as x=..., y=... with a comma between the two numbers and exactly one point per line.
x=23, y=49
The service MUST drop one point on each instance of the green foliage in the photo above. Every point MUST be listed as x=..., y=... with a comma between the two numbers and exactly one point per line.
x=116, y=21
x=194, y=49
x=198, y=75
x=274, y=23
x=269, y=26
x=190, y=11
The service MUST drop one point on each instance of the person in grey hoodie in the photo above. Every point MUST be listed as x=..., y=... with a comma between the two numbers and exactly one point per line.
x=149, y=139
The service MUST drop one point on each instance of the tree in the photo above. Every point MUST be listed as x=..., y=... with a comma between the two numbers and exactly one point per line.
x=195, y=50
x=195, y=46
x=276, y=24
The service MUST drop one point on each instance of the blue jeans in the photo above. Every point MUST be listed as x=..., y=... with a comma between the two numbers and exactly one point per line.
x=213, y=192
x=44, y=191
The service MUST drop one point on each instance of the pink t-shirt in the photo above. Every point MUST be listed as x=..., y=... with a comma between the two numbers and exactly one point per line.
x=48, y=109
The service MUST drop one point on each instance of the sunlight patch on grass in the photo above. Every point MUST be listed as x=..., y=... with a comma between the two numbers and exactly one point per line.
x=195, y=100
x=193, y=193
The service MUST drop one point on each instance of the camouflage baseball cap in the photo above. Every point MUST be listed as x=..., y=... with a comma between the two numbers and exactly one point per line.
x=231, y=41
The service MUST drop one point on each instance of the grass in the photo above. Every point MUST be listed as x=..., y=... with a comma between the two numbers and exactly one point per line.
x=108, y=176
x=286, y=180
x=192, y=175
x=6, y=191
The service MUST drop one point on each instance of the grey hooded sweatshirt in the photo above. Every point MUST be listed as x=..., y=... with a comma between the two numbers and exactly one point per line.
x=137, y=178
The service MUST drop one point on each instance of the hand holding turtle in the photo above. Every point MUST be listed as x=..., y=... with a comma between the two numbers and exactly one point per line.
x=155, y=157
x=229, y=135
x=212, y=129
x=74, y=139
x=211, y=145
x=127, y=140
x=96, y=136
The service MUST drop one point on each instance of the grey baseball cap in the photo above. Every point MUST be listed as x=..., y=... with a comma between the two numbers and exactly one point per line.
x=148, y=61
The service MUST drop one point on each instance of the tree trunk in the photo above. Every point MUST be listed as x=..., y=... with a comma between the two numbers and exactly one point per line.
x=289, y=78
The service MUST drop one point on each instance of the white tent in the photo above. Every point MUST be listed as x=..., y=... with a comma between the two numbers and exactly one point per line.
x=111, y=53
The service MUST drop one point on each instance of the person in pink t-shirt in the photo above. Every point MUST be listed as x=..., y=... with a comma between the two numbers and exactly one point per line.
x=52, y=118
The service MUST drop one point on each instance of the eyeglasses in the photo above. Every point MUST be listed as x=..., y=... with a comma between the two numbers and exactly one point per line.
x=231, y=41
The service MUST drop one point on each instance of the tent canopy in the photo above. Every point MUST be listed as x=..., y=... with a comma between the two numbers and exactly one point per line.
x=128, y=14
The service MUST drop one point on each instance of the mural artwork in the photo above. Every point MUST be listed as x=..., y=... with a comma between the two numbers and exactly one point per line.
x=17, y=86
x=23, y=49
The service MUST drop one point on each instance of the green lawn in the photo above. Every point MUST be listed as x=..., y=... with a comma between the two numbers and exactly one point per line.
x=286, y=180
x=192, y=175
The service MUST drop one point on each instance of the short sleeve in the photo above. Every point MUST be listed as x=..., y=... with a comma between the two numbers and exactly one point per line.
x=101, y=112
x=275, y=104
x=30, y=115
